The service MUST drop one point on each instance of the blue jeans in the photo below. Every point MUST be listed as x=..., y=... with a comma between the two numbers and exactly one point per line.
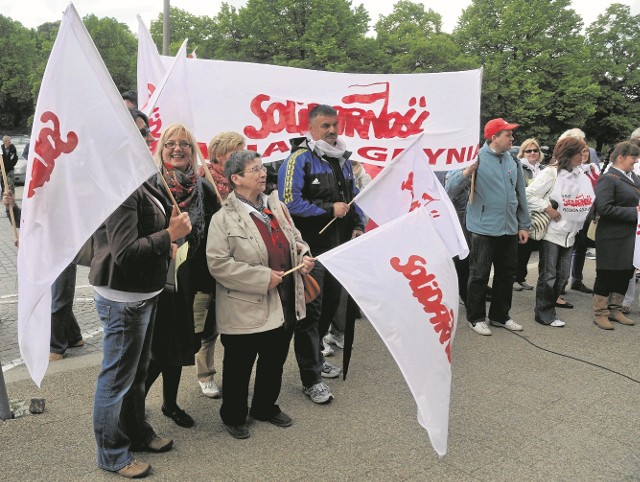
x=553, y=272
x=502, y=253
x=65, y=330
x=118, y=410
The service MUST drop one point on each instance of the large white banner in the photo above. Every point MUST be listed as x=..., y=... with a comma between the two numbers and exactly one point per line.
x=403, y=278
x=380, y=114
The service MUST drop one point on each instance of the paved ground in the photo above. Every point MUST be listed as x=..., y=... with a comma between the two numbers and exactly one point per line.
x=518, y=411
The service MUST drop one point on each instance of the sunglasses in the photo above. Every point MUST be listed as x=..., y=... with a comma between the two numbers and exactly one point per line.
x=529, y=151
x=144, y=132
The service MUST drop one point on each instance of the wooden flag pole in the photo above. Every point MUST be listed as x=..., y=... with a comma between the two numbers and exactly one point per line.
x=292, y=270
x=330, y=222
x=473, y=185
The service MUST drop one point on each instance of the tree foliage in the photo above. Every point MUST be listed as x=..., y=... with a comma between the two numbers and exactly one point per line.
x=614, y=48
x=535, y=64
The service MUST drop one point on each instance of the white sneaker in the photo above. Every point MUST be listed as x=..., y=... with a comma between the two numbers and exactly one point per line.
x=509, y=325
x=557, y=323
x=480, y=328
x=318, y=393
x=337, y=340
x=517, y=286
x=327, y=350
x=210, y=389
x=330, y=371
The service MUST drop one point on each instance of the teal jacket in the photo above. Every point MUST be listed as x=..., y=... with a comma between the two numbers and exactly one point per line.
x=499, y=201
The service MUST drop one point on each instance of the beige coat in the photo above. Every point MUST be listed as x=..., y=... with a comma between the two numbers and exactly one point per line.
x=237, y=259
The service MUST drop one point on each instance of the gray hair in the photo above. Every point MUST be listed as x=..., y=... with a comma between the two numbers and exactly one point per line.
x=237, y=163
x=635, y=134
x=6, y=138
x=575, y=132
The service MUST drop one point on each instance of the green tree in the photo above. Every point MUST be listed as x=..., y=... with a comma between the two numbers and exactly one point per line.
x=118, y=48
x=614, y=44
x=19, y=58
x=184, y=25
x=536, y=69
x=411, y=40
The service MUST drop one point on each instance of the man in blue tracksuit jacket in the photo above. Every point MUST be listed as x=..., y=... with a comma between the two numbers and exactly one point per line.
x=497, y=219
x=316, y=183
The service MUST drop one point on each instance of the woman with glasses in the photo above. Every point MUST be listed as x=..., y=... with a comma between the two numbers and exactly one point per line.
x=252, y=243
x=565, y=194
x=530, y=156
x=174, y=342
x=220, y=147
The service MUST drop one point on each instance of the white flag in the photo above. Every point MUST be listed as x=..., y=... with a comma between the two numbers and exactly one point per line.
x=88, y=157
x=150, y=69
x=407, y=183
x=404, y=280
x=636, y=254
x=171, y=102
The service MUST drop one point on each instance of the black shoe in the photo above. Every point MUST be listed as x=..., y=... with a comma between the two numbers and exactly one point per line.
x=566, y=304
x=280, y=420
x=238, y=431
x=580, y=286
x=179, y=416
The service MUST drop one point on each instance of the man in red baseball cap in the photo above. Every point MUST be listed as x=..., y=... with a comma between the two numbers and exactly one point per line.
x=497, y=218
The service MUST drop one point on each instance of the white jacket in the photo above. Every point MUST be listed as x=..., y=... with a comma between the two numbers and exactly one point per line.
x=538, y=193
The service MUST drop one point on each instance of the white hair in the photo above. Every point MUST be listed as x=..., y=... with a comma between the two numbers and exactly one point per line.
x=575, y=132
x=635, y=134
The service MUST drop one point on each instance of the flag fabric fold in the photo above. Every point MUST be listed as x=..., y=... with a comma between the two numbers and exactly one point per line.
x=150, y=69
x=88, y=157
x=408, y=183
x=403, y=279
x=171, y=102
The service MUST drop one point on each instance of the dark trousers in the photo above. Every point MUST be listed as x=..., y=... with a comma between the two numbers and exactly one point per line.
x=462, y=269
x=612, y=281
x=553, y=269
x=501, y=251
x=578, y=255
x=310, y=330
x=65, y=330
x=240, y=353
x=524, y=254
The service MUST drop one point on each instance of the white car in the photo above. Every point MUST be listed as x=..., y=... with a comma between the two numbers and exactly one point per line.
x=20, y=169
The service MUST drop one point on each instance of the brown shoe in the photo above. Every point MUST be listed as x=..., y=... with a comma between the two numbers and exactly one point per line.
x=77, y=344
x=135, y=470
x=55, y=357
x=601, y=312
x=617, y=311
x=156, y=444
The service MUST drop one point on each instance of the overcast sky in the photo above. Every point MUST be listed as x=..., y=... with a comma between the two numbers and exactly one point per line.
x=32, y=13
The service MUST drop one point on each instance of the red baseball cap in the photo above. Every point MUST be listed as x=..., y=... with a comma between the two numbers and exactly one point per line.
x=496, y=125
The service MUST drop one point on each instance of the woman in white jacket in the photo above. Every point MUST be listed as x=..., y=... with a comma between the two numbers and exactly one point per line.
x=566, y=195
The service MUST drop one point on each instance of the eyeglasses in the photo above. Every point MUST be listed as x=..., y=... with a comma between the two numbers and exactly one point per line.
x=144, y=132
x=530, y=151
x=256, y=169
x=182, y=144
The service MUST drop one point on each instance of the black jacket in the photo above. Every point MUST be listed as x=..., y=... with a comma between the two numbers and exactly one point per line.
x=9, y=157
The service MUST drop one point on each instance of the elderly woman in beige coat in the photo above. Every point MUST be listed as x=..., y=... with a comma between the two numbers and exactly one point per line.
x=252, y=243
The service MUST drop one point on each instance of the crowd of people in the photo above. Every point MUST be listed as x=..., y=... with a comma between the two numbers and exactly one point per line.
x=203, y=251
x=496, y=198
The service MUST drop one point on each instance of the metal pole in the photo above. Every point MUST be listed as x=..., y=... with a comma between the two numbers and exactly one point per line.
x=165, y=28
x=5, y=410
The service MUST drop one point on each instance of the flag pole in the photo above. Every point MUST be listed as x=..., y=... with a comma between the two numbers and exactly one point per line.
x=11, y=214
x=473, y=185
x=331, y=222
x=166, y=187
x=208, y=176
x=292, y=270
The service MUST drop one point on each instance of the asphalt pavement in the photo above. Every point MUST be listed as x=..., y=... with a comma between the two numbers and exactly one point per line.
x=547, y=404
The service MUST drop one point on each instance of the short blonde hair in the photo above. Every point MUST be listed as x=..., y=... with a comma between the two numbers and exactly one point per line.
x=6, y=138
x=177, y=129
x=527, y=143
x=224, y=143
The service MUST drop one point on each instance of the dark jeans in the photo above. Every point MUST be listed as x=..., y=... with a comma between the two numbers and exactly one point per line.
x=64, y=326
x=462, y=269
x=553, y=273
x=501, y=251
x=578, y=255
x=612, y=281
x=118, y=409
x=524, y=253
x=240, y=353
